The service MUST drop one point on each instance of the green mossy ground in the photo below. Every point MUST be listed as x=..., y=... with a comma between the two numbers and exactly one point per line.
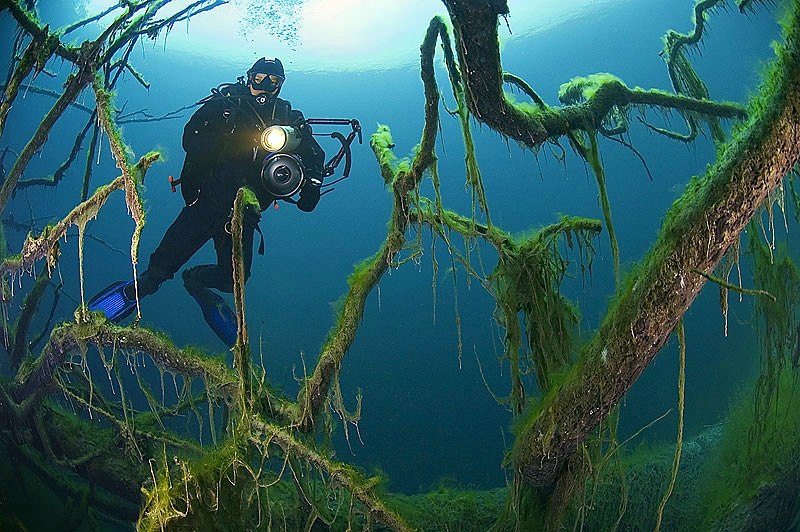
x=744, y=473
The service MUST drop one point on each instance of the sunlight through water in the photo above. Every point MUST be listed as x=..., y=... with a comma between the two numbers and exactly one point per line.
x=339, y=34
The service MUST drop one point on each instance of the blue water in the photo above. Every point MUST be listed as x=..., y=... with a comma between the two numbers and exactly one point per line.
x=427, y=414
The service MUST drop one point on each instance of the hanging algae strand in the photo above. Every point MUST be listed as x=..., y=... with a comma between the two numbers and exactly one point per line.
x=592, y=156
x=438, y=28
x=725, y=268
x=759, y=441
x=679, y=444
x=683, y=76
x=581, y=90
x=779, y=275
x=527, y=279
x=132, y=194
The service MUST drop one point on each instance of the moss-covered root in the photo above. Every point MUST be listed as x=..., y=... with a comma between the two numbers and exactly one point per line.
x=35, y=56
x=697, y=232
x=132, y=181
x=437, y=30
x=316, y=387
x=475, y=28
x=73, y=88
x=365, y=277
x=403, y=178
x=683, y=76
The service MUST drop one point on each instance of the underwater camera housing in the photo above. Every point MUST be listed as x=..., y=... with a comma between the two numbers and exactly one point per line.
x=283, y=173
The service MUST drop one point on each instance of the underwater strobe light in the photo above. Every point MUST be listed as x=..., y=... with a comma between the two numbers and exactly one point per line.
x=282, y=171
x=280, y=139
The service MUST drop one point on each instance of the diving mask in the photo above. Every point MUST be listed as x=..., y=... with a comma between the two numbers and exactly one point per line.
x=270, y=83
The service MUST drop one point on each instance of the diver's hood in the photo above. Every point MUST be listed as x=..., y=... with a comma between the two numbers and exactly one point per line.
x=270, y=67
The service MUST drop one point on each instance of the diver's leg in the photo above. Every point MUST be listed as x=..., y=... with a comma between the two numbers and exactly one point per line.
x=220, y=276
x=216, y=312
x=191, y=229
x=200, y=279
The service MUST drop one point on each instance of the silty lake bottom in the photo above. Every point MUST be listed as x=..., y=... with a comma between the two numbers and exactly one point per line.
x=565, y=299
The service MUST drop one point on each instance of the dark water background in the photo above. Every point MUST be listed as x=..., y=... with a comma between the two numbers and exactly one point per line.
x=427, y=415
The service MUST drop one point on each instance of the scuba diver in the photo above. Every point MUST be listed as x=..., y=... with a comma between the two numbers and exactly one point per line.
x=228, y=144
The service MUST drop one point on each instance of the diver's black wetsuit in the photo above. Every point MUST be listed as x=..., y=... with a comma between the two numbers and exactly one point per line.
x=223, y=153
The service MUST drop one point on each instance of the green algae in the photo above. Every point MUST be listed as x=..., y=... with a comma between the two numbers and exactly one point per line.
x=750, y=466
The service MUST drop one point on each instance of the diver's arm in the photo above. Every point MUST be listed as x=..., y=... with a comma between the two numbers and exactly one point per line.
x=314, y=161
x=313, y=157
x=309, y=150
x=202, y=133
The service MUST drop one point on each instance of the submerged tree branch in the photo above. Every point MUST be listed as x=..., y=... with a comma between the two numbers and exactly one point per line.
x=70, y=337
x=36, y=248
x=404, y=182
x=475, y=29
x=698, y=230
x=74, y=87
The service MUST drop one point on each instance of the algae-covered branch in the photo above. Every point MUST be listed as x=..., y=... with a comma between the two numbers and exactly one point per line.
x=698, y=230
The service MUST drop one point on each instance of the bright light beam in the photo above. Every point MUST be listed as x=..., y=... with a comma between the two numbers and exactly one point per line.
x=325, y=35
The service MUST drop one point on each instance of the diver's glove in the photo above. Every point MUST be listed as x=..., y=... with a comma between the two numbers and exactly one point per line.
x=310, y=194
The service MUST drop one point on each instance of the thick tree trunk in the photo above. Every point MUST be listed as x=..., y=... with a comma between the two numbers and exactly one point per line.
x=475, y=32
x=700, y=228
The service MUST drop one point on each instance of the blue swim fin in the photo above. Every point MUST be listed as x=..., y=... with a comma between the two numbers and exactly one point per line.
x=218, y=315
x=113, y=302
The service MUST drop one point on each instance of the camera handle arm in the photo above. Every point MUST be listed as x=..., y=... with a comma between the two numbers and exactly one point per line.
x=336, y=159
x=345, y=151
